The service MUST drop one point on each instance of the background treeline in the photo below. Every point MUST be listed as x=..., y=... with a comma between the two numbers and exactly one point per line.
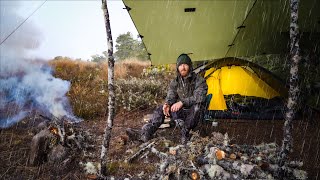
x=126, y=47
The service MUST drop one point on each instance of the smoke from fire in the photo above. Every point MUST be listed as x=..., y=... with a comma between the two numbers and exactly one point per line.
x=26, y=85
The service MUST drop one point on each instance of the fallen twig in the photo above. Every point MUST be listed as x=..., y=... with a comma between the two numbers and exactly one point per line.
x=6, y=172
x=67, y=176
x=148, y=146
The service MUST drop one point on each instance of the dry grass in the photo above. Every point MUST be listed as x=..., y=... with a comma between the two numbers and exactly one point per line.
x=130, y=67
x=66, y=67
x=89, y=84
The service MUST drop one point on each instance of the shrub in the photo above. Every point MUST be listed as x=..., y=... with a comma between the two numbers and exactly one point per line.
x=130, y=68
x=137, y=93
x=166, y=72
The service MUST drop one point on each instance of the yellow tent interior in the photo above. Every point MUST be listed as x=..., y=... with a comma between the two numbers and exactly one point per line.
x=234, y=76
x=235, y=80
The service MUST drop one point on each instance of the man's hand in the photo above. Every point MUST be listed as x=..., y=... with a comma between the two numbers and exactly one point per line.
x=165, y=109
x=176, y=106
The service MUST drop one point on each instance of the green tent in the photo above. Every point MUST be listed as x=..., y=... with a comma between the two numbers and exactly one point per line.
x=215, y=29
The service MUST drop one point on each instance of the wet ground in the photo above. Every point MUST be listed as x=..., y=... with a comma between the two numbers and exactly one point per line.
x=15, y=145
x=306, y=138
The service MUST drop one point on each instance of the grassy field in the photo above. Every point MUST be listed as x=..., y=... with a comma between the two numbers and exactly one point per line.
x=138, y=84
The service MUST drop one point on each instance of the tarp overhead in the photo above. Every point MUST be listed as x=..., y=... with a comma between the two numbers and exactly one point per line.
x=213, y=29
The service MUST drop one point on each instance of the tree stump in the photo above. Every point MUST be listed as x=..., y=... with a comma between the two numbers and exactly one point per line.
x=40, y=146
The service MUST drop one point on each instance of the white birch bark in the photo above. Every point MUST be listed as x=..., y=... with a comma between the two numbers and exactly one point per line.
x=111, y=100
x=294, y=86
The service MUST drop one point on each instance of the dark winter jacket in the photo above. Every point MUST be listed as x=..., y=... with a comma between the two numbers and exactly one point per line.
x=189, y=90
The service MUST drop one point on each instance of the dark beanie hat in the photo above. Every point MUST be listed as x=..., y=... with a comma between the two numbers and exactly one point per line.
x=184, y=59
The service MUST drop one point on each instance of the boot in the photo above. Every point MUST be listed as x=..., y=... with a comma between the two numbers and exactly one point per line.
x=138, y=135
x=185, y=136
x=133, y=134
x=145, y=137
x=179, y=123
x=146, y=133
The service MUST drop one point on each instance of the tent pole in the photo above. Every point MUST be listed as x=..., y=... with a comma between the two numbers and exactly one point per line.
x=111, y=100
x=294, y=86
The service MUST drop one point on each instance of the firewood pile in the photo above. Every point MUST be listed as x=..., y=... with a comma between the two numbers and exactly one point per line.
x=59, y=140
x=215, y=158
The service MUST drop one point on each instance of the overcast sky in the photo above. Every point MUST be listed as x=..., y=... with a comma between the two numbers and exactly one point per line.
x=64, y=28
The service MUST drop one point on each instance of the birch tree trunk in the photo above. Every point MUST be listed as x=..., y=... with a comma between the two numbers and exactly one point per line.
x=294, y=86
x=111, y=100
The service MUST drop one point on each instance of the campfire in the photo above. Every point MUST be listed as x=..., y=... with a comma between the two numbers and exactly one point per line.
x=214, y=158
x=54, y=130
x=57, y=140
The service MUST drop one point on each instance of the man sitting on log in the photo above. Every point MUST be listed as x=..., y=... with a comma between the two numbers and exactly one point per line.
x=184, y=102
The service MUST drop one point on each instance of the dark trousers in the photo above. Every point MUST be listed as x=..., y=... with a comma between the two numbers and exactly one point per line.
x=191, y=117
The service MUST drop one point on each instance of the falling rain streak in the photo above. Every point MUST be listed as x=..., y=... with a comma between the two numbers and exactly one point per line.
x=28, y=85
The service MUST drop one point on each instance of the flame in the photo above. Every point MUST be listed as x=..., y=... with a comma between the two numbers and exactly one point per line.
x=195, y=175
x=54, y=130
